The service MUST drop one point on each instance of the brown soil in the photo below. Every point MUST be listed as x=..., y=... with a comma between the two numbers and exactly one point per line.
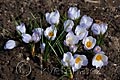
x=107, y=11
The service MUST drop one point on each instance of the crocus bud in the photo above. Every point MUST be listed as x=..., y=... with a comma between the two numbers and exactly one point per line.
x=73, y=13
x=53, y=17
x=10, y=44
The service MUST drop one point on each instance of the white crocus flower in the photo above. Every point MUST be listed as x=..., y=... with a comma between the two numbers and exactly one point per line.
x=26, y=38
x=71, y=39
x=95, y=29
x=53, y=17
x=37, y=33
x=86, y=21
x=73, y=13
x=50, y=32
x=99, y=60
x=68, y=25
x=10, y=44
x=97, y=49
x=42, y=47
x=81, y=32
x=80, y=60
x=89, y=42
x=68, y=59
x=103, y=27
x=21, y=28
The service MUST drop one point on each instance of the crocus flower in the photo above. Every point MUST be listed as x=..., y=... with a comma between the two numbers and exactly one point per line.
x=36, y=37
x=10, y=44
x=68, y=25
x=86, y=21
x=73, y=13
x=80, y=60
x=50, y=32
x=53, y=17
x=99, y=60
x=89, y=42
x=68, y=59
x=97, y=49
x=81, y=32
x=39, y=31
x=26, y=38
x=21, y=28
x=71, y=39
x=103, y=28
x=95, y=29
x=42, y=47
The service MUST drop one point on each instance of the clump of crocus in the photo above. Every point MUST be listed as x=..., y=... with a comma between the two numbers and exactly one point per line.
x=73, y=36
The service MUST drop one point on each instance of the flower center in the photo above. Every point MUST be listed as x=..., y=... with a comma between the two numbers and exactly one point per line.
x=89, y=44
x=77, y=60
x=51, y=34
x=99, y=57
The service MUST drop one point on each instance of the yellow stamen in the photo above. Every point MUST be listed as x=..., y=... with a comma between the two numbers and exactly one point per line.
x=77, y=60
x=98, y=57
x=89, y=44
x=51, y=34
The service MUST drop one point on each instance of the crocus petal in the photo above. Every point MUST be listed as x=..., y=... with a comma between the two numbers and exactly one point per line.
x=105, y=59
x=10, y=44
x=86, y=21
x=68, y=25
x=97, y=63
x=73, y=13
x=73, y=48
x=103, y=27
x=26, y=38
x=21, y=28
x=95, y=29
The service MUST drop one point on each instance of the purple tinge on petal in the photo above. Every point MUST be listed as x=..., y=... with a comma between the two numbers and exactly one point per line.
x=103, y=27
x=73, y=48
x=97, y=49
x=95, y=29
